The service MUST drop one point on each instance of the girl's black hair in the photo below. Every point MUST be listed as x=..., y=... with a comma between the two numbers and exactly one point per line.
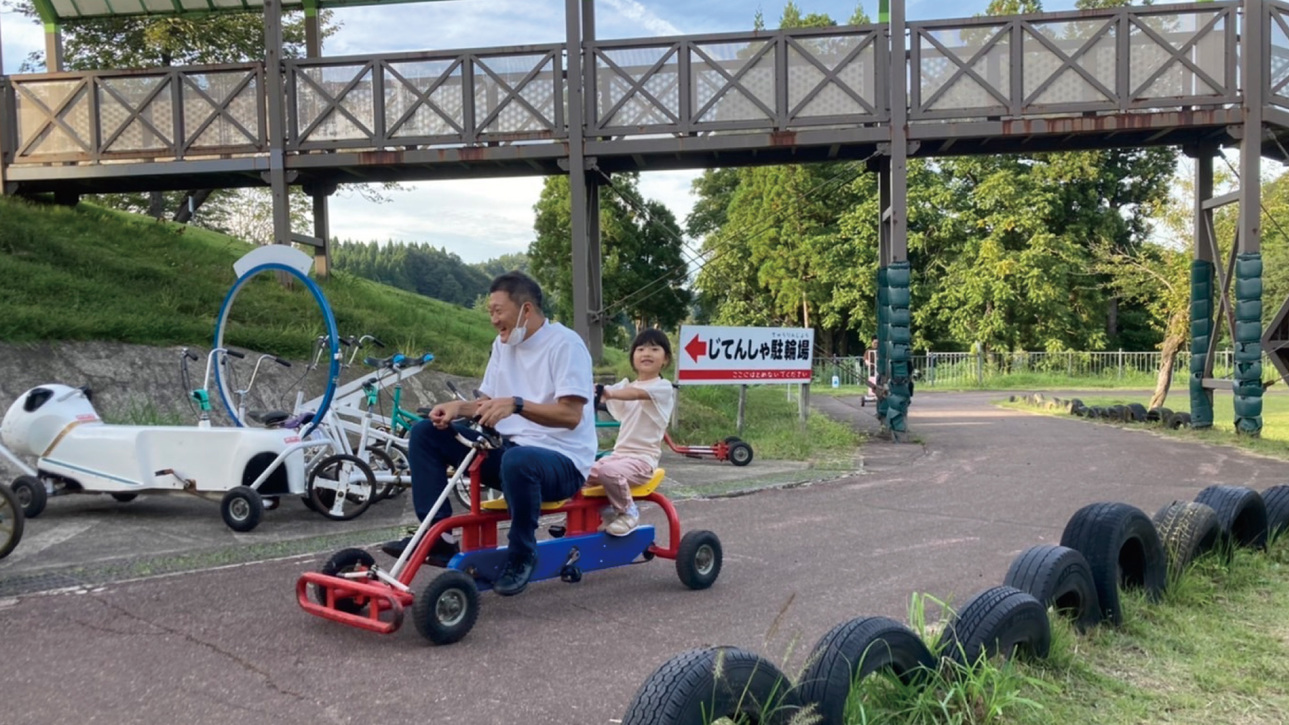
x=649, y=336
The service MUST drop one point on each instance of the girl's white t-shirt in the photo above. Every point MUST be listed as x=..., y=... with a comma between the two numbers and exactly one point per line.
x=643, y=421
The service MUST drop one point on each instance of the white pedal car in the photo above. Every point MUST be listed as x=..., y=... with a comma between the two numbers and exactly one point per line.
x=77, y=452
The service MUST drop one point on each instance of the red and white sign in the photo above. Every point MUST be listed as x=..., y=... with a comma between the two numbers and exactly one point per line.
x=744, y=355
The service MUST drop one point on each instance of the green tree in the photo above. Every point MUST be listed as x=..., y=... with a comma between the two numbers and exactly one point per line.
x=643, y=264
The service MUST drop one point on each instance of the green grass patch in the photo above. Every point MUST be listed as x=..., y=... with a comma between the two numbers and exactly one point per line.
x=1214, y=650
x=88, y=273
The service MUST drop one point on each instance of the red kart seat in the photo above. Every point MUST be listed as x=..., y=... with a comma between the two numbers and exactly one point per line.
x=640, y=491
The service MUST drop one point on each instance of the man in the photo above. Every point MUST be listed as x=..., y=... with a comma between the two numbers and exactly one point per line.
x=536, y=394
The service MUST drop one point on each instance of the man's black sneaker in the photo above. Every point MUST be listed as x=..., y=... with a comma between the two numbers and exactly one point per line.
x=441, y=552
x=514, y=578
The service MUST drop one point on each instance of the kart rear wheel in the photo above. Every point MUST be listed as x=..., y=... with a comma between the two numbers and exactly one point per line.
x=740, y=453
x=381, y=462
x=125, y=497
x=447, y=608
x=698, y=560
x=342, y=562
x=341, y=487
x=11, y=521
x=242, y=508
x=30, y=494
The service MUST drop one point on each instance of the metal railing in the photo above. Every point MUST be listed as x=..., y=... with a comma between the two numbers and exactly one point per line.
x=972, y=370
x=1122, y=60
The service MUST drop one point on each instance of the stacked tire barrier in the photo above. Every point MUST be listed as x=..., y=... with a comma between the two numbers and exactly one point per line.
x=1105, y=548
x=899, y=346
x=1202, y=273
x=1248, y=344
x=1129, y=413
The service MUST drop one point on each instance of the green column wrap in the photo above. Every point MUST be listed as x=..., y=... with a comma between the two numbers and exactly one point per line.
x=899, y=346
x=883, y=299
x=1248, y=344
x=1201, y=331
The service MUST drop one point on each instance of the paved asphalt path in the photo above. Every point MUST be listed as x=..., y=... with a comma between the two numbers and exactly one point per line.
x=944, y=517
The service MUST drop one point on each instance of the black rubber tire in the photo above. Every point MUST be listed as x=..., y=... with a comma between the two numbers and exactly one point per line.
x=685, y=690
x=1122, y=549
x=31, y=495
x=1187, y=530
x=1119, y=413
x=852, y=651
x=1078, y=408
x=731, y=440
x=1179, y=421
x=1060, y=578
x=1241, y=513
x=1000, y=620
x=1096, y=412
x=124, y=497
x=1139, y=412
x=12, y=521
x=1158, y=415
x=698, y=559
x=242, y=508
x=740, y=453
x=1276, y=500
x=345, y=560
x=323, y=498
x=447, y=608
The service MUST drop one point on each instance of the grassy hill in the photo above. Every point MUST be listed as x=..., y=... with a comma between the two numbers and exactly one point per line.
x=90, y=273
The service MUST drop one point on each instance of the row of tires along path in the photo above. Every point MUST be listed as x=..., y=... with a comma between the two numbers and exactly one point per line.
x=1129, y=413
x=1104, y=547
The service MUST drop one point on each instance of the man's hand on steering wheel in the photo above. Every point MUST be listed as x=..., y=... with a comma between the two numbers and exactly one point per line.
x=492, y=411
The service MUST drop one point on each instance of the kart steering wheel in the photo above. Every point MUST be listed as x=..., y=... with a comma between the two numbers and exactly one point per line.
x=471, y=433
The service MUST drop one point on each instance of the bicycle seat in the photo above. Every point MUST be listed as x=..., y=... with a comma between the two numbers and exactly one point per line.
x=384, y=362
x=269, y=417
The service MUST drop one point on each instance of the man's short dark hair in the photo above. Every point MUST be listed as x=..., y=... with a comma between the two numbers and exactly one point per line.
x=520, y=287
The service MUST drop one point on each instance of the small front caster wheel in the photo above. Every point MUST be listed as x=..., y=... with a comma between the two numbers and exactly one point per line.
x=698, y=560
x=31, y=495
x=571, y=574
x=242, y=508
x=125, y=497
x=447, y=608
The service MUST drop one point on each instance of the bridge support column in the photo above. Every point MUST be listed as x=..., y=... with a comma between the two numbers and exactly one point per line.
x=320, y=193
x=6, y=113
x=276, y=121
x=1202, y=276
x=588, y=318
x=1247, y=334
x=894, y=338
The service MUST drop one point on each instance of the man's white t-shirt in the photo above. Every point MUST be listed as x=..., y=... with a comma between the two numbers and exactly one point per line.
x=551, y=363
x=643, y=421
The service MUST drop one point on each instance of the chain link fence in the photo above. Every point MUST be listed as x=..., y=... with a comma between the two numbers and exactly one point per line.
x=983, y=370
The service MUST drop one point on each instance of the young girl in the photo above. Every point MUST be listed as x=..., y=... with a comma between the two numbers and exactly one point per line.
x=644, y=408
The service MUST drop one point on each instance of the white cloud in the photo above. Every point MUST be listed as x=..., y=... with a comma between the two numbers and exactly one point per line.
x=642, y=16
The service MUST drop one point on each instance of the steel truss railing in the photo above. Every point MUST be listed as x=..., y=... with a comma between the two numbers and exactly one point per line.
x=1113, y=61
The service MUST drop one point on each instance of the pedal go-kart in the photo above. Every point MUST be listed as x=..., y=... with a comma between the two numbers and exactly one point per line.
x=732, y=449
x=352, y=589
x=78, y=453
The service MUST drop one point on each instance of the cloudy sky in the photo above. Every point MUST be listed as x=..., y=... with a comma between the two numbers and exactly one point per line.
x=482, y=219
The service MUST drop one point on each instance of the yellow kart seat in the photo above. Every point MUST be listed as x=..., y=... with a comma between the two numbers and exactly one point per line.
x=640, y=491
x=499, y=504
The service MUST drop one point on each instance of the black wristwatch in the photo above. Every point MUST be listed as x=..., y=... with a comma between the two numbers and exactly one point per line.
x=519, y=405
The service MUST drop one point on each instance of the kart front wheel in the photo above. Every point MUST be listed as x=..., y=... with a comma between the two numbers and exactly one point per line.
x=740, y=453
x=31, y=495
x=447, y=608
x=242, y=508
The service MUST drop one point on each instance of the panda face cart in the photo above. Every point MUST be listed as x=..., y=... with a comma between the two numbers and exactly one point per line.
x=77, y=453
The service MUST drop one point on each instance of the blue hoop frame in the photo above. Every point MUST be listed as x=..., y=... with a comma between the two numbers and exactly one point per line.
x=333, y=336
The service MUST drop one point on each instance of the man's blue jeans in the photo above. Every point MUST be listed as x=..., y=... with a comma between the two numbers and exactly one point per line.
x=527, y=475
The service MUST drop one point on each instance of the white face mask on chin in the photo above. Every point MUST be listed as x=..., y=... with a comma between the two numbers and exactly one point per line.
x=518, y=333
